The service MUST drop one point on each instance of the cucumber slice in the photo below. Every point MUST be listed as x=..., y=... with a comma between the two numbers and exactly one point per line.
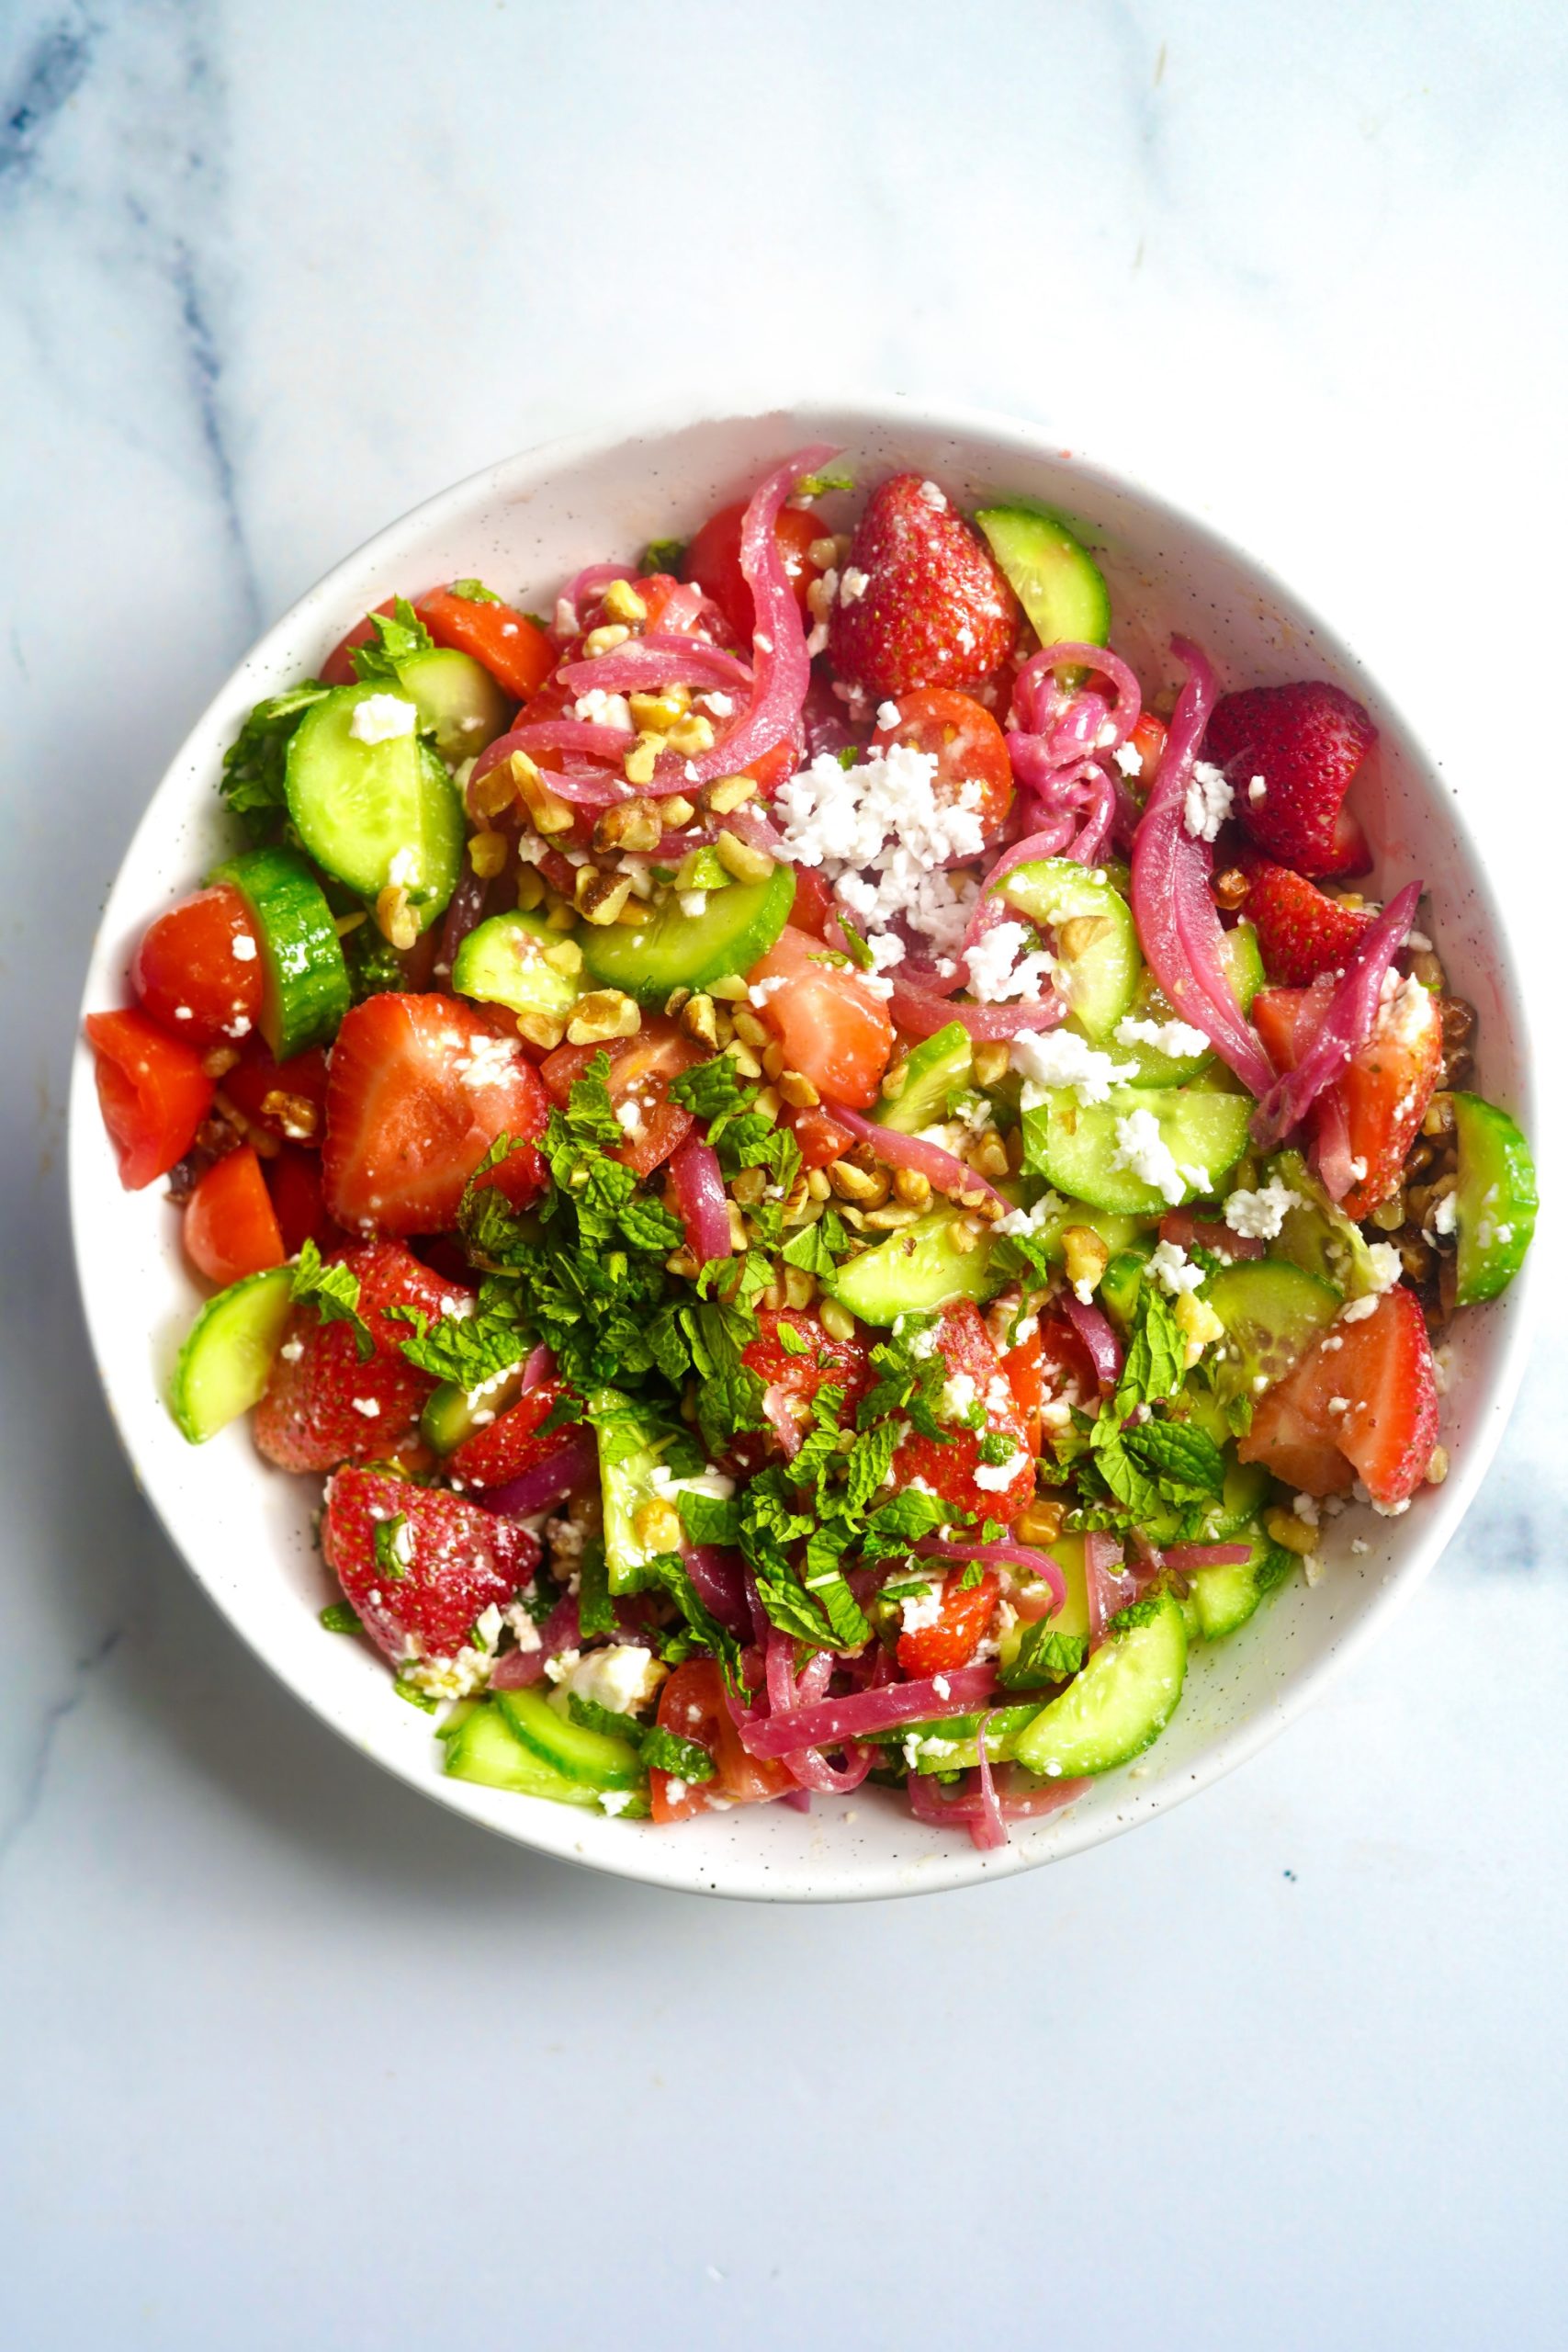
x=1077, y=1150
x=917, y=1269
x=458, y=699
x=940, y=1069
x=1119, y=1703
x=1248, y=1489
x=952, y=1743
x=452, y=1414
x=1318, y=1234
x=1238, y=952
x=1050, y=571
x=374, y=814
x=1273, y=1312
x=1227, y=1598
x=675, y=951
x=1121, y=1280
x=483, y=1748
x=1496, y=1200
x=228, y=1356
x=593, y=1760
x=632, y=1443
x=507, y=961
x=305, y=991
x=1093, y=937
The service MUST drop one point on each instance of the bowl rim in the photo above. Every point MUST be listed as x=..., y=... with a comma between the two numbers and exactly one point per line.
x=663, y=1863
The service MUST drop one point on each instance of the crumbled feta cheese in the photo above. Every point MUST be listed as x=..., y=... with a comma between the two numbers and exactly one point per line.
x=1208, y=801
x=1177, y=1038
x=1257, y=1216
x=1418, y=939
x=368, y=1406
x=1357, y=1310
x=1340, y=1405
x=1002, y=966
x=1129, y=759
x=942, y=1686
x=291, y=1350
x=919, y=1610
x=1016, y=1223
x=1359, y=1544
x=566, y=622
x=932, y=494
x=601, y=709
x=760, y=991
x=1061, y=1058
x=959, y=1398
x=852, y=586
x=1257, y=790
x=1384, y=1269
x=1171, y=1266
x=629, y=1114
x=1407, y=1012
x=613, y=1800
x=995, y=1477
x=887, y=716
x=625, y=1678
x=676, y=1791
x=692, y=902
x=489, y=1061
x=1141, y=1147
x=243, y=947
x=1305, y=1509
x=717, y=704
x=561, y=1668
x=380, y=718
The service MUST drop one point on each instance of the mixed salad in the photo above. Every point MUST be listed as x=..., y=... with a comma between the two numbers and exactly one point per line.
x=831, y=1179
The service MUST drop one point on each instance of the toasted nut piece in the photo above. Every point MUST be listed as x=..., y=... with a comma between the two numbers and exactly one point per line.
x=660, y=712
x=1419, y=1156
x=1438, y=1466
x=749, y=1186
x=544, y=1030
x=738, y=1238
x=820, y=594
x=728, y=792
x=493, y=791
x=677, y=811
x=530, y=888
x=559, y=913
x=772, y=1059
x=395, y=919
x=623, y=603
x=698, y=1022
x=836, y=1320
x=971, y=1197
x=1457, y=1019
x=1389, y=1215
x=1085, y=1255
x=1197, y=1320
x=343, y=924
x=295, y=1113
x=673, y=1002
x=487, y=855
x=990, y=1061
x=988, y=1154
x=745, y=1060
x=823, y=553
x=852, y=1216
x=656, y=1525
x=739, y=859
x=634, y=914
x=680, y=1261
x=219, y=1061
x=795, y=1199
x=889, y=1219
x=602, y=1014
x=773, y=1297
x=768, y=1103
x=636, y=825
x=566, y=957
x=965, y=1236
x=911, y=1186
x=604, y=640
x=800, y=1287
x=993, y=1208
x=1015, y=1151
x=1428, y=969
x=1440, y=1118
x=816, y=1184
x=1041, y=1522
x=546, y=812
x=894, y=1081
x=731, y=988
x=1416, y=1260
x=868, y=1188
x=690, y=735
x=601, y=896
x=797, y=1090
x=638, y=764
x=1079, y=933
x=756, y=1033
x=1230, y=888
x=1292, y=1532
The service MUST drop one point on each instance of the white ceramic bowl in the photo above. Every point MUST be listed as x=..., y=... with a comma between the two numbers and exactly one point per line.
x=525, y=524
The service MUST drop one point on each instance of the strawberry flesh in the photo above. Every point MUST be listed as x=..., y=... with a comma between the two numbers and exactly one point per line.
x=934, y=611
x=952, y=1641
x=1382, y=1097
x=1302, y=931
x=950, y=1470
x=1362, y=1403
x=1307, y=742
x=322, y=1406
x=451, y=1561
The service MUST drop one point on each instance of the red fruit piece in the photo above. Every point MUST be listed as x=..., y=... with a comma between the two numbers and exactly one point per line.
x=1301, y=931
x=1382, y=1099
x=446, y=1563
x=1306, y=743
x=1364, y=1403
x=823, y=1363
x=962, y=1619
x=934, y=609
x=512, y=1444
x=976, y=1376
x=420, y=1088
x=316, y=1412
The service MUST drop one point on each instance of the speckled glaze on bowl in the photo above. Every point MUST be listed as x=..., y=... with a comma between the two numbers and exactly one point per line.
x=525, y=524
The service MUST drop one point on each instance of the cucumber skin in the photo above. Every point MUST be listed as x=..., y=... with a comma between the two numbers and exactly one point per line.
x=484, y=1751
x=325, y=766
x=1227, y=1597
x=453, y=691
x=914, y=1271
x=1136, y=1675
x=1488, y=1135
x=938, y=1068
x=1101, y=983
x=479, y=968
x=1049, y=571
x=690, y=951
x=307, y=990
x=590, y=1760
x=261, y=1301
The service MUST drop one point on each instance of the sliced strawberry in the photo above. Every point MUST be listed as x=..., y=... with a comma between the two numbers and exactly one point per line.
x=447, y=1563
x=952, y=1641
x=1364, y=1402
x=1301, y=931
x=934, y=609
x=954, y=1470
x=420, y=1088
x=1380, y=1100
x=1306, y=743
x=794, y=1380
x=512, y=1444
x=322, y=1406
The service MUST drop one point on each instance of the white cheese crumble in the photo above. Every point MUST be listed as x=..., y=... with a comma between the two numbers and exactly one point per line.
x=1357, y=1310
x=625, y=1678
x=887, y=716
x=882, y=837
x=1208, y=801
x=601, y=709
x=717, y=705
x=932, y=494
x=1177, y=1038
x=1141, y=1147
x=760, y=991
x=1002, y=966
x=1129, y=759
x=919, y=1610
x=368, y=1406
x=242, y=948
x=380, y=718
x=1061, y=1058
x=1257, y=1216
x=1305, y=1509
x=1171, y=1266
x=1385, y=1268
x=852, y=586
x=1257, y=790
x=959, y=1398
x=489, y=1061
x=1445, y=1217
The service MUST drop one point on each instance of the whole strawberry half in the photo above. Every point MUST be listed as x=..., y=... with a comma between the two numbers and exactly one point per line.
x=442, y=1561
x=933, y=610
x=322, y=1406
x=1307, y=744
x=1301, y=931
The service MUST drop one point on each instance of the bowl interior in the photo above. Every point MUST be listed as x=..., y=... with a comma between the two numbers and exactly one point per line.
x=245, y=1530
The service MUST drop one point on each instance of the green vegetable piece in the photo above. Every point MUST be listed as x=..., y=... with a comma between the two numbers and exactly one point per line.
x=1050, y=571
x=1274, y=1312
x=673, y=950
x=377, y=813
x=305, y=987
x=938, y=1070
x=1077, y=1148
x=1227, y=1596
x=1092, y=935
x=1496, y=1199
x=506, y=961
x=459, y=701
x=1121, y=1701
x=228, y=1357
x=1238, y=952
x=593, y=1760
x=482, y=1748
x=918, y=1269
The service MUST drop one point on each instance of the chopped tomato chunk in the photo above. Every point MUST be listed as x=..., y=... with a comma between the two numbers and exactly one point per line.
x=231, y=1228
x=152, y=1092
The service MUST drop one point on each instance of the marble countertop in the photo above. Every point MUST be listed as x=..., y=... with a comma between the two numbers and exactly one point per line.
x=288, y=2055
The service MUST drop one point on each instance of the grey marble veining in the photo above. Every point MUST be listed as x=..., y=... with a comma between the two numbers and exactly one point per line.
x=267, y=275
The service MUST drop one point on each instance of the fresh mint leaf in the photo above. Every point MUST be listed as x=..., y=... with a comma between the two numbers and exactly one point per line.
x=393, y=1547
x=793, y=1342
x=414, y=1695
x=398, y=637
x=1044, y=1655
x=333, y=1292
x=860, y=954
x=468, y=1350
x=474, y=592
x=337, y=1617
x=710, y=1518
x=662, y=555
x=607, y=1721
x=684, y=1760
x=669, y=1572
x=595, y=1609
x=894, y=1526
x=711, y=1090
x=1187, y=1463
x=254, y=763
x=907, y=1382
x=1157, y=1353
x=817, y=485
